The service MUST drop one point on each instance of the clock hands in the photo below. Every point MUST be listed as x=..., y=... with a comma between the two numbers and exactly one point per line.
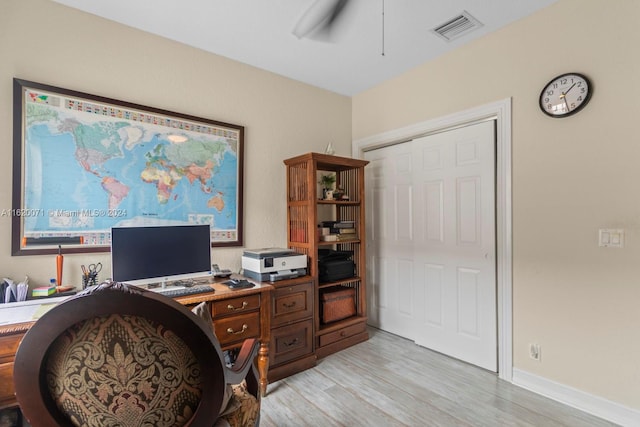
x=564, y=96
x=564, y=93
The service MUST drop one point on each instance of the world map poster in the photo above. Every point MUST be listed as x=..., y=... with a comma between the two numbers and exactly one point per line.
x=90, y=164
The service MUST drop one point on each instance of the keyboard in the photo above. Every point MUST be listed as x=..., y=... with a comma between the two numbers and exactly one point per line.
x=181, y=292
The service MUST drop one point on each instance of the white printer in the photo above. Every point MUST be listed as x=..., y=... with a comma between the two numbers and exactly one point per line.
x=272, y=264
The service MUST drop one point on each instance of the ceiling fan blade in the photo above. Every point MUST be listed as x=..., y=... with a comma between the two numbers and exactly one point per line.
x=321, y=15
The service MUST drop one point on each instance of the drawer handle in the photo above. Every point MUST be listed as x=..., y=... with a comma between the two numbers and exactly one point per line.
x=244, y=328
x=289, y=344
x=285, y=305
x=244, y=305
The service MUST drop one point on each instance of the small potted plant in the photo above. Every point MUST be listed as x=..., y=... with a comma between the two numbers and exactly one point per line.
x=327, y=181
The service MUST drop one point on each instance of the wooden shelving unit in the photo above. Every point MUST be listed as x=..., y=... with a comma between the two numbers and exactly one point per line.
x=305, y=210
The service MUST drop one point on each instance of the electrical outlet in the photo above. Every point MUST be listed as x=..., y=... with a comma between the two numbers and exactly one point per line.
x=534, y=352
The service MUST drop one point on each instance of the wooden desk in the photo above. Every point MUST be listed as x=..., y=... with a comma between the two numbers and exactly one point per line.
x=237, y=315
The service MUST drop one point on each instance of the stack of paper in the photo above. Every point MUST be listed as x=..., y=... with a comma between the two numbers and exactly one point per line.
x=22, y=289
x=43, y=291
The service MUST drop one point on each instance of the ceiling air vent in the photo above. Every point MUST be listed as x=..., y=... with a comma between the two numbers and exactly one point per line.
x=457, y=27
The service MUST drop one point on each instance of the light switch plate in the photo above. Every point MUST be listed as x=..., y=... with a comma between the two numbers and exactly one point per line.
x=611, y=238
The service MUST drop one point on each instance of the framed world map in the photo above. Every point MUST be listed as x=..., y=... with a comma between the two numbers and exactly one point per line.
x=83, y=164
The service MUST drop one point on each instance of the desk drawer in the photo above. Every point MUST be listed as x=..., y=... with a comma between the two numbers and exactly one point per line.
x=291, y=341
x=7, y=397
x=235, y=305
x=9, y=346
x=332, y=337
x=292, y=303
x=237, y=328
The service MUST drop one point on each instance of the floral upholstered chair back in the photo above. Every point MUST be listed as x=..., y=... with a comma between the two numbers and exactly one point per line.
x=119, y=356
x=123, y=371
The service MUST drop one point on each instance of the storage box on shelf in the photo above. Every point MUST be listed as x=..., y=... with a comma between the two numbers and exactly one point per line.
x=337, y=303
x=317, y=225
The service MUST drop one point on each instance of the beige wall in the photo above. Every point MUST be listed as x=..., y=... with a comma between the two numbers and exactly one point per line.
x=45, y=42
x=571, y=177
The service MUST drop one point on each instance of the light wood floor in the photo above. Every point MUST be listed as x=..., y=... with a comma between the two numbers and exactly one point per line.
x=390, y=381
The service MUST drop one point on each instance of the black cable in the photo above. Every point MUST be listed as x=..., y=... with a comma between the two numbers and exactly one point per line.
x=382, y=27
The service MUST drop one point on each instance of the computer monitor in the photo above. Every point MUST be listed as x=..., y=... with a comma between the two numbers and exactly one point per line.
x=144, y=255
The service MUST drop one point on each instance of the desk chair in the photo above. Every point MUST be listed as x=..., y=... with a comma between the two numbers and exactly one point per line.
x=118, y=355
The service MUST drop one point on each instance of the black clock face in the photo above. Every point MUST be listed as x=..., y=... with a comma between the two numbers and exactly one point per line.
x=565, y=95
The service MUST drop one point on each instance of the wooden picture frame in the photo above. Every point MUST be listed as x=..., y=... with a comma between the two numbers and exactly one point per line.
x=84, y=163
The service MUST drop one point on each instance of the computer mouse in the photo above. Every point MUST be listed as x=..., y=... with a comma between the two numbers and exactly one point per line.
x=240, y=284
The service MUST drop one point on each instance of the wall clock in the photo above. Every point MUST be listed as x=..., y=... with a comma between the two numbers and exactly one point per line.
x=565, y=95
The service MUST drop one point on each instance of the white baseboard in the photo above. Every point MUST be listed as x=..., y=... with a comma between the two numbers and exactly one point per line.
x=603, y=408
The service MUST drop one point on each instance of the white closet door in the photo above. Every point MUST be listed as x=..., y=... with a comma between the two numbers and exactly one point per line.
x=432, y=254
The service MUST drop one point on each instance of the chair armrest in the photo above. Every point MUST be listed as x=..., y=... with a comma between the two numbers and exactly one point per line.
x=244, y=361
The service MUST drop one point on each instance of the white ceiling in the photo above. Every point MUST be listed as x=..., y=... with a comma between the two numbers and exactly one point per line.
x=259, y=33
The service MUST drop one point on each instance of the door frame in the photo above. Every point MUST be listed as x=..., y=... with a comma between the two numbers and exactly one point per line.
x=500, y=111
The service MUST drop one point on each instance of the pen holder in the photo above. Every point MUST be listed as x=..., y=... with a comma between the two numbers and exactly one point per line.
x=90, y=279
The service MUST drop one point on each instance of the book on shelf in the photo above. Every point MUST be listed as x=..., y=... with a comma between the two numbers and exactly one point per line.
x=339, y=237
x=346, y=231
x=337, y=231
x=345, y=224
x=329, y=238
x=347, y=236
x=336, y=227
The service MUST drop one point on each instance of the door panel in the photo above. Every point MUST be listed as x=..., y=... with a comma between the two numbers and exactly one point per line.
x=434, y=294
x=468, y=214
x=468, y=304
x=433, y=197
